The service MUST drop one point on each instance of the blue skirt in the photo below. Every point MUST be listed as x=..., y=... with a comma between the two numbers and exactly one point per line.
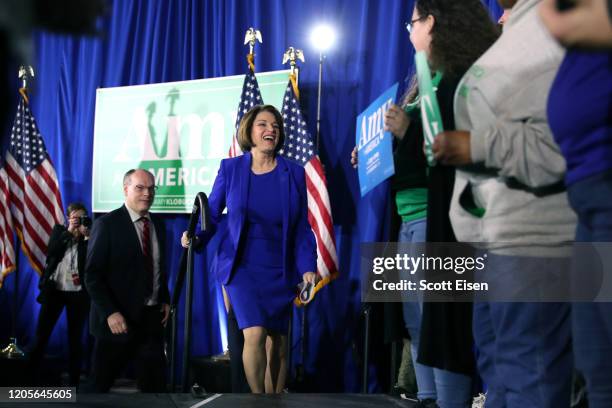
x=258, y=291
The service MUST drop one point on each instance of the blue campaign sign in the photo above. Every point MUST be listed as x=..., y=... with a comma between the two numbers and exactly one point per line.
x=374, y=145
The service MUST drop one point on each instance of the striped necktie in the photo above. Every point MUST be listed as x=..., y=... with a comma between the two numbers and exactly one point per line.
x=147, y=253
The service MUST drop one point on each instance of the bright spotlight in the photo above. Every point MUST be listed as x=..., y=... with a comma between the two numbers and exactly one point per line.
x=323, y=37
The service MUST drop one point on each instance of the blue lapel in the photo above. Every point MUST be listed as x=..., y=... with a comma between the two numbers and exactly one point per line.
x=243, y=174
x=285, y=198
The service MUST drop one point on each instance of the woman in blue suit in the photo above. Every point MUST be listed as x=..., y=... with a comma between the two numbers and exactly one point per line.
x=268, y=247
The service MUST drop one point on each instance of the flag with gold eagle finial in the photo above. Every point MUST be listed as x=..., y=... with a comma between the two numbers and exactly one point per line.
x=300, y=148
x=249, y=97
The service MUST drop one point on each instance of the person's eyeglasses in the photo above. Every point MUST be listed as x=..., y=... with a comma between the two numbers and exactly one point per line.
x=410, y=23
x=140, y=189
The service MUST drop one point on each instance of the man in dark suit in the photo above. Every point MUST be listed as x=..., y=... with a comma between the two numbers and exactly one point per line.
x=126, y=280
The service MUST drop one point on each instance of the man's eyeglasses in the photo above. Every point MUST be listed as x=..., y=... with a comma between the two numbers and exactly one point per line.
x=141, y=189
x=410, y=23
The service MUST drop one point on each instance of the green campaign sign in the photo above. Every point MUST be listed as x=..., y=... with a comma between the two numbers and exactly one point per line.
x=430, y=110
x=180, y=131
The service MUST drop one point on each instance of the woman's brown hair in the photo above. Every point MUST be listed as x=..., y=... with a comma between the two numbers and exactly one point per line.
x=246, y=126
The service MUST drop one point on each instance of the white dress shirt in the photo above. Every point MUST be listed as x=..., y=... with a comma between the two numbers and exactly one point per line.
x=138, y=225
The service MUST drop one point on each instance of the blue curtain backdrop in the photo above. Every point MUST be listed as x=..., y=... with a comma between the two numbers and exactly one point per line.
x=154, y=41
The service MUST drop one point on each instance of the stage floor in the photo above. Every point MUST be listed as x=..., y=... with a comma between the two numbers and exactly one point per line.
x=117, y=400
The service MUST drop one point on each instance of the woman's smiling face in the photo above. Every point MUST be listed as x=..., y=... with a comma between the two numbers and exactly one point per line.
x=265, y=132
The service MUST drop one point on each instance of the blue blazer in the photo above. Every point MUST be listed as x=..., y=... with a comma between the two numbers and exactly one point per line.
x=231, y=189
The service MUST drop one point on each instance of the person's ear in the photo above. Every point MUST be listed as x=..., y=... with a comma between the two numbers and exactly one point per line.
x=429, y=22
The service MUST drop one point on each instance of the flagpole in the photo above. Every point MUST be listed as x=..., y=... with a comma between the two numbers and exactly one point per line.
x=291, y=56
x=323, y=38
x=12, y=350
x=321, y=58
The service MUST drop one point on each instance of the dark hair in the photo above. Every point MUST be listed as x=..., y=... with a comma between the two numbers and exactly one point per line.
x=246, y=125
x=461, y=33
x=76, y=207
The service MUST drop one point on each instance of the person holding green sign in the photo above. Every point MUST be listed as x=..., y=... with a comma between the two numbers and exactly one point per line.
x=453, y=34
x=509, y=195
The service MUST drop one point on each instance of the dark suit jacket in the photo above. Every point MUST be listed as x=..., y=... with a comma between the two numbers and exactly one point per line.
x=231, y=190
x=58, y=243
x=114, y=274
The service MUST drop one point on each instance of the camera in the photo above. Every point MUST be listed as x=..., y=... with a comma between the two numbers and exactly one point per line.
x=563, y=5
x=85, y=221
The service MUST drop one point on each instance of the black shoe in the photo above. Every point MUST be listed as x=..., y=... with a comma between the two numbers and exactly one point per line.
x=397, y=390
x=198, y=391
x=426, y=403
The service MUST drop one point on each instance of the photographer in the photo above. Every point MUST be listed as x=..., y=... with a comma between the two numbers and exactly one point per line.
x=61, y=285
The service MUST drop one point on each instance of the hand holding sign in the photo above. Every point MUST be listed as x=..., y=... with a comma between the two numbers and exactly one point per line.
x=354, y=158
x=396, y=121
x=452, y=148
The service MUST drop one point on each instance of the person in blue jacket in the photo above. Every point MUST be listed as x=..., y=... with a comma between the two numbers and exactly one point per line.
x=268, y=247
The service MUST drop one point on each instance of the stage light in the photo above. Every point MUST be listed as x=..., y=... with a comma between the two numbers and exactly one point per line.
x=323, y=37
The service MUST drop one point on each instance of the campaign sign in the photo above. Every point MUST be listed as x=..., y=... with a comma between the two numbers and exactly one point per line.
x=374, y=144
x=430, y=110
x=179, y=131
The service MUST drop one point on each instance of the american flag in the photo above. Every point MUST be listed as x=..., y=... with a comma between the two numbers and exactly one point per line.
x=7, y=234
x=299, y=147
x=250, y=97
x=35, y=198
